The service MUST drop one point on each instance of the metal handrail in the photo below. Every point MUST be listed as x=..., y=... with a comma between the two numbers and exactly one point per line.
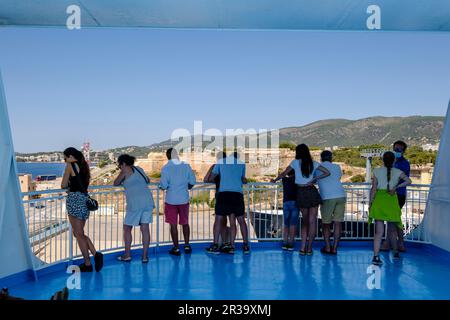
x=263, y=213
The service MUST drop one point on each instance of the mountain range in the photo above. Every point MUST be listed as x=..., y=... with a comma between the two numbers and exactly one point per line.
x=414, y=130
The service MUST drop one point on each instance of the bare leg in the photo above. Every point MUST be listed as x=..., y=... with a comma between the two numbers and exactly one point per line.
x=174, y=234
x=305, y=227
x=233, y=228
x=285, y=234
x=223, y=229
x=379, y=230
x=78, y=232
x=386, y=244
x=326, y=235
x=401, y=241
x=392, y=234
x=312, y=226
x=292, y=232
x=243, y=225
x=186, y=233
x=337, y=234
x=145, y=230
x=218, y=229
x=89, y=242
x=127, y=239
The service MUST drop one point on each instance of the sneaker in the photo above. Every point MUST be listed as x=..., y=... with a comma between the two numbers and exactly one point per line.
x=396, y=255
x=85, y=268
x=377, y=261
x=187, y=249
x=231, y=250
x=225, y=248
x=246, y=249
x=214, y=249
x=290, y=247
x=175, y=251
x=285, y=247
x=98, y=259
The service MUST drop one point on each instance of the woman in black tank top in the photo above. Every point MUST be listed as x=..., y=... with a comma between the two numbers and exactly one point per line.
x=76, y=181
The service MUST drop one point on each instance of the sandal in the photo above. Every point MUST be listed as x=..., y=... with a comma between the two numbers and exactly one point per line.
x=123, y=259
x=144, y=260
x=309, y=253
x=325, y=251
x=302, y=252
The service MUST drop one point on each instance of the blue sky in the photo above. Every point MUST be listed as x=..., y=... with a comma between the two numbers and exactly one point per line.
x=117, y=87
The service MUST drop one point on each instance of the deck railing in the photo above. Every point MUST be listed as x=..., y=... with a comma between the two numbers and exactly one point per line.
x=52, y=242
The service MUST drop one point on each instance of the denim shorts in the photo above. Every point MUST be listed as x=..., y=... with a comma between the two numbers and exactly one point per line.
x=290, y=213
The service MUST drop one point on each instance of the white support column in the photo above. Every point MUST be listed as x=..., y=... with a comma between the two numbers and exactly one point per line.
x=15, y=251
x=437, y=212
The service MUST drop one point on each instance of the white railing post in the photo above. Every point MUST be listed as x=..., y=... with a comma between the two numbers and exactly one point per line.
x=248, y=214
x=157, y=219
x=70, y=244
x=48, y=233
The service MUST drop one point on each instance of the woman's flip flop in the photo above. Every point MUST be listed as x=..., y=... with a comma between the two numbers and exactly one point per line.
x=122, y=259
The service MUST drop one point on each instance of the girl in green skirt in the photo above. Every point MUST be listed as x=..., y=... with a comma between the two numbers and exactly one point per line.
x=384, y=204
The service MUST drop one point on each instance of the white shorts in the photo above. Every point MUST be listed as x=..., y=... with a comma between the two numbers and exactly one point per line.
x=138, y=217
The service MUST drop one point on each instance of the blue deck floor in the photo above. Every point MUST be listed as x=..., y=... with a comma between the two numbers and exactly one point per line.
x=267, y=273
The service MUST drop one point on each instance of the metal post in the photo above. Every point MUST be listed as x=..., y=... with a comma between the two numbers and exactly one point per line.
x=248, y=215
x=157, y=219
x=70, y=244
x=369, y=169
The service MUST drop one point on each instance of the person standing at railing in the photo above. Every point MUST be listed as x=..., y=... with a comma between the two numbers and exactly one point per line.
x=177, y=178
x=384, y=204
x=230, y=197
x=76, y=179
x=140, y=204
x=403, y=164
x=220, y=221
x=308, y=197
x=291, y=212
x=334, y=199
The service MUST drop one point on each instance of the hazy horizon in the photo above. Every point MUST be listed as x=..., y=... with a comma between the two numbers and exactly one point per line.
x=148, y=145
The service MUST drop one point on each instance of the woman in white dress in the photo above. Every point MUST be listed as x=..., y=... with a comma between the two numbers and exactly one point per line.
x=140, y=204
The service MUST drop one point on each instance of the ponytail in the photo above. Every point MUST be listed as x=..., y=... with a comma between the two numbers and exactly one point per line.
x=388, y=161
x=388, y=177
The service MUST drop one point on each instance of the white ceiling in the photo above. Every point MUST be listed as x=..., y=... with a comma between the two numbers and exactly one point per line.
x=401, y=15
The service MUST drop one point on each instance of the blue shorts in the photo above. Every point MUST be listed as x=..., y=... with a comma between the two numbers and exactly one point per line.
x=290, y=213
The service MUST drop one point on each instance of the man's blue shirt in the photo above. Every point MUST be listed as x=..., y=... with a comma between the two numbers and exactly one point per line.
x=402, y=164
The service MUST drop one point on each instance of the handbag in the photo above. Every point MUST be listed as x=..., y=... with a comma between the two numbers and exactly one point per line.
x=91, y=204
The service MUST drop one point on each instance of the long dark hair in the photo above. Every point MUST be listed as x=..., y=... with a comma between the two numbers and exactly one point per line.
x=302, y=153
x=388, y=161
x=127, y=159
x=85, y=173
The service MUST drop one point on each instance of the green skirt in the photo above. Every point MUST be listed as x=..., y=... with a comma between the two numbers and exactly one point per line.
x=385, y=207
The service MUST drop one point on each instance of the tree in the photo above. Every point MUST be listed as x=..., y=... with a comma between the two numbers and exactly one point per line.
x=358, y=178
x=287, y=145
x=155, y=175
x=102, y=164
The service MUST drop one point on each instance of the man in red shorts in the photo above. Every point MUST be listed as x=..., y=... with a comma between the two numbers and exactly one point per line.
x=177, y=178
